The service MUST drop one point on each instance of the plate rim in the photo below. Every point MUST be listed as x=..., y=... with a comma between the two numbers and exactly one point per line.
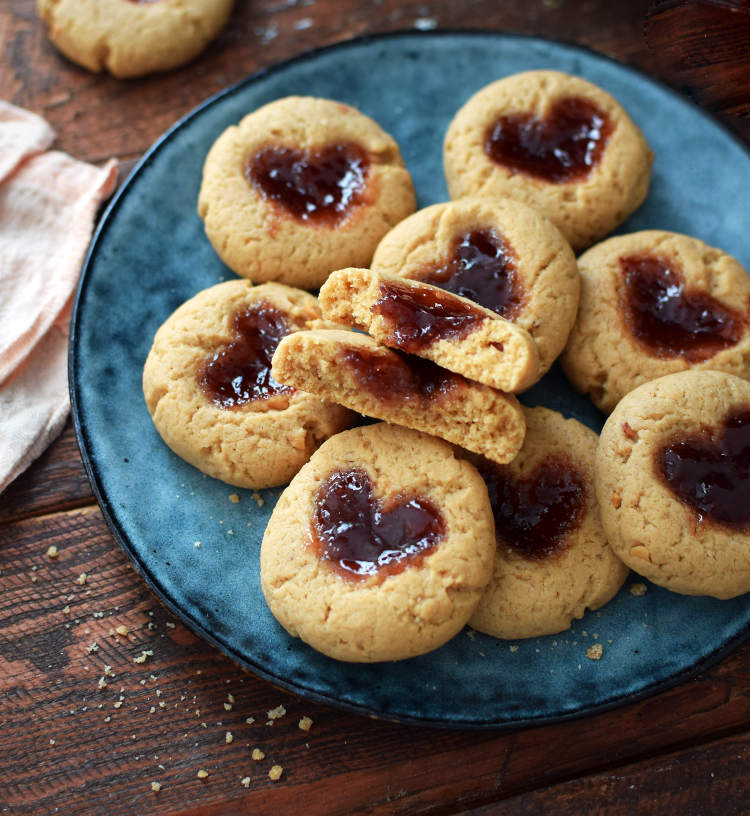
x=93, y=472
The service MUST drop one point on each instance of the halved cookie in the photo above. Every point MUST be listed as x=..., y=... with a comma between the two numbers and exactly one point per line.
x=425, y=320
x=354, y=370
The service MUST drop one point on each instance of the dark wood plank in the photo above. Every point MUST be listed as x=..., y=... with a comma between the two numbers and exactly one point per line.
x=56, y=481
x=49, y=668
x=710, y=779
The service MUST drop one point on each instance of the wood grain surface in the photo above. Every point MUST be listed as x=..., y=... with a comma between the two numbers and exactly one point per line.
x=103, y=692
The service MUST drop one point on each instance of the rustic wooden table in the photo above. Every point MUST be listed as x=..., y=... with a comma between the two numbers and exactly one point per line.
x=73, y=747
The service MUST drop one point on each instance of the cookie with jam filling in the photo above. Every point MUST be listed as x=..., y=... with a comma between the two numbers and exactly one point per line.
x=553, y=561
x=673, y=481
x=380, y=547
x=654, y=303
x=209, y=389
x=428, y=321
x=300, y=187
x=555, y=142
x=354, y=370
x=497, y=252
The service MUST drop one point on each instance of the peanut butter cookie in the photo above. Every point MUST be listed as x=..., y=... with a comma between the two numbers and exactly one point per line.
x=553, y=561
x=556, y=142
x=673, y=482
x=380, y=547
x=653, y=303
x=209, y=389
x=302, y=186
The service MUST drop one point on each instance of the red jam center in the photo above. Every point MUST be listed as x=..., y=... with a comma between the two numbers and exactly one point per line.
x=535, y=514
x=482, y=268
x=669, y=319
x=317, y=186
x=710, y=472
x=395, y=377
x=564, y=146
x=417, y=316
x=360, y=535
x=240, y=372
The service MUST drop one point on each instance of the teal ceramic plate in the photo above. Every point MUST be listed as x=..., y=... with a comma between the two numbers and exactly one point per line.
x=150, y=254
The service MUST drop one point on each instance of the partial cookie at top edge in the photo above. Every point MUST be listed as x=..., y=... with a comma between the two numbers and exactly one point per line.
x=133, y=39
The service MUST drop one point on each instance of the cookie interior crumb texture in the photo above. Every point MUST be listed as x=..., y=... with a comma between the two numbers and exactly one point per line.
x=500, y=253
x=427, y=321
x=354, y=370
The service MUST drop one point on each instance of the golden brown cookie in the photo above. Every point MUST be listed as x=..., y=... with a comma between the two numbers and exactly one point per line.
x=354, y=370
x=553, y=561
x=209, y=389
x=556, y=142
x=380, y=547
x=502, y=254
x=425, y=320
x=130, y=38
x=673, y=482
x=653, y=303
x=302, y=186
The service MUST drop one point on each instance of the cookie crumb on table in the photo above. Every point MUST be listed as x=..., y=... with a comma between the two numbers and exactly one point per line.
x=234, y=498
x=82, y=578
x=275, y=773
x=52, y=551
x=595, y=652
x=202, y=774
x=257, y=754
x=305, y=724
x=638, y=589
x=276, y=713
x=245, y=781
x=228, y=737
x=156, y=787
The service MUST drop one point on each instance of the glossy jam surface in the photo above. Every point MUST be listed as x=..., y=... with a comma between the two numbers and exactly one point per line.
x=361, y=536
x=240, y=372
x=710, y=472
x=482, y=268
x=317, y=186
x=417, y=317
x=533, y=515
x=564, y=146
x=394, y=377
x=670, y=320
